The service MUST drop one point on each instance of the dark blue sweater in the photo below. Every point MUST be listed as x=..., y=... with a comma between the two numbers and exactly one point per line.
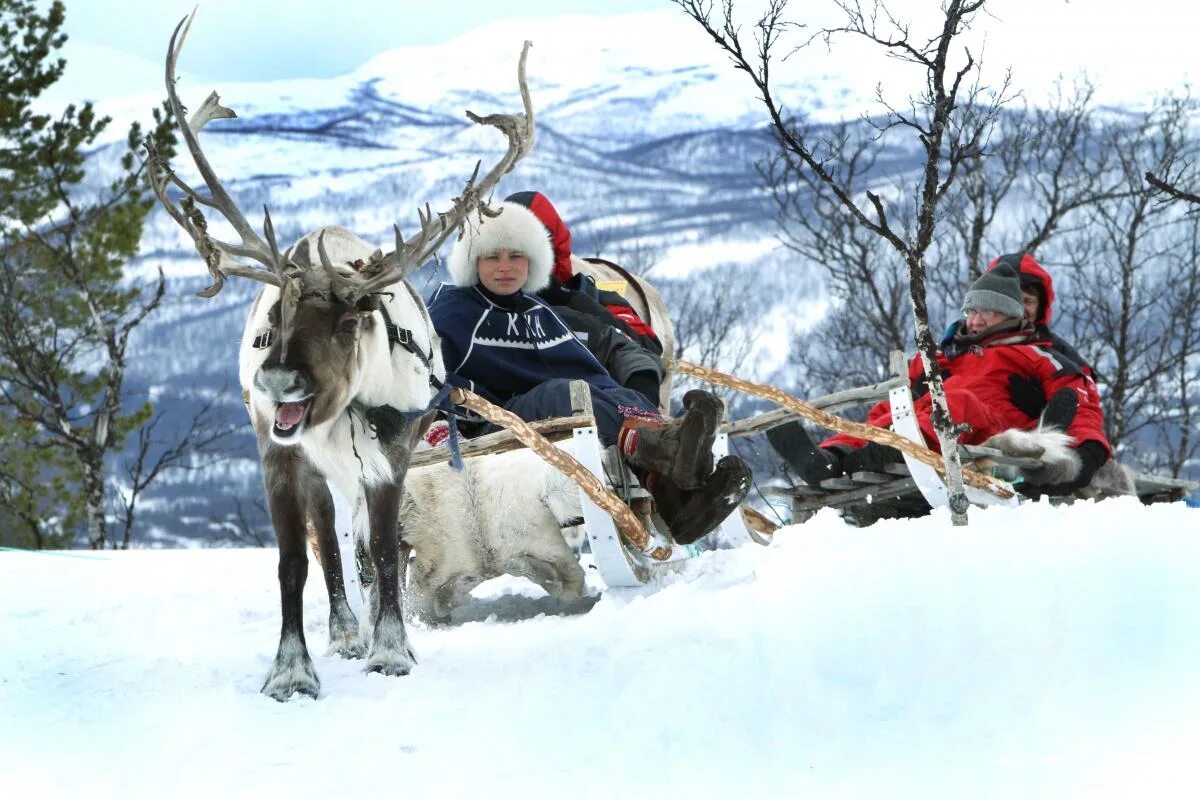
x=502, y=346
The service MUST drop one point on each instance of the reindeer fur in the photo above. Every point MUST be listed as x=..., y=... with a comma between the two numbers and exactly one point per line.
x=1052, y=447
x=502, y=514
x=345, y=374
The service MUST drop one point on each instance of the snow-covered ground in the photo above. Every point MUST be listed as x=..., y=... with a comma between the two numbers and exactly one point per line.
x=1041, y=652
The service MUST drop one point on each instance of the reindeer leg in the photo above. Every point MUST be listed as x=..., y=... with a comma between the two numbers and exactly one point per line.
x=292, y=670
x=390, y=652
x=343, y=625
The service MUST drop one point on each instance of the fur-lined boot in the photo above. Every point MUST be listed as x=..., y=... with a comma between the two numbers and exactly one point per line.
x=693, y=513
x=680, y=448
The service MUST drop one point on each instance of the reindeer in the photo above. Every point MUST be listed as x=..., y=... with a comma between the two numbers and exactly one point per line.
x=339, y=364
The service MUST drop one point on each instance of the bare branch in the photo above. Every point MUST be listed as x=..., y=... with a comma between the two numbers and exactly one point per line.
x=1170, y=189
x=519, y=130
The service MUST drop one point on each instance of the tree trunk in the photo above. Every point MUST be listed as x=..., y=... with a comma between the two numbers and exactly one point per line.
x=93, y=492
x=943, y=424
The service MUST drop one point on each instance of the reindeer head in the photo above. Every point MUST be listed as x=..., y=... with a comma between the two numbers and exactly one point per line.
x=314, y=337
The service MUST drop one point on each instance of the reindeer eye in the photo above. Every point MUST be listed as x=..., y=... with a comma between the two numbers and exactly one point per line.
x=348, y=324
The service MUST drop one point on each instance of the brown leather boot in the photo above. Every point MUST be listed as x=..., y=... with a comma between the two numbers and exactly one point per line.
x=680, y=448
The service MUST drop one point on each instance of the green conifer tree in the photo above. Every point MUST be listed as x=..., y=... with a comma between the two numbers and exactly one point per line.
x=66, y=312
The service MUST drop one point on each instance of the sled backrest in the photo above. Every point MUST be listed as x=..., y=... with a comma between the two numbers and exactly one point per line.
x=645, y=300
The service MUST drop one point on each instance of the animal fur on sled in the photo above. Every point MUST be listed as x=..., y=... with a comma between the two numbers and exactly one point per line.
x=503, y=514
x=1060, y=462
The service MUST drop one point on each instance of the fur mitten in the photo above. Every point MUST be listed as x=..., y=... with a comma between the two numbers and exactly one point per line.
x=1060, y=463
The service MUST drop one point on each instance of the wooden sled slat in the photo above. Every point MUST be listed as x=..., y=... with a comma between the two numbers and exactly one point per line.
x=877, y=492
x=830, y=402
x=501, y=441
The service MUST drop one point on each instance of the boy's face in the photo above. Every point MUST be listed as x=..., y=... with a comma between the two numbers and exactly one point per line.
x=504, y=271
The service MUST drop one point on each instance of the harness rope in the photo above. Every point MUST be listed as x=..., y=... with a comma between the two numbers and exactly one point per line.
x=626, y=521
x=827, y=420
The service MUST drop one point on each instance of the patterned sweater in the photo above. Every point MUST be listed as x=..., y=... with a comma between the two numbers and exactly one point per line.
x=501, y=346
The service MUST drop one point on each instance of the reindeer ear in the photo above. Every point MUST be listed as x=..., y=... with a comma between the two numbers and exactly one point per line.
x=367, y=303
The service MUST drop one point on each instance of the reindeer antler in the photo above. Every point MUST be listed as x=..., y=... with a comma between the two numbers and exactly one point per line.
x=222, y=258
x=408, y=255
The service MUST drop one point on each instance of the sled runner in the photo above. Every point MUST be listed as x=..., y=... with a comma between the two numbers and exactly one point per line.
x=865, y=497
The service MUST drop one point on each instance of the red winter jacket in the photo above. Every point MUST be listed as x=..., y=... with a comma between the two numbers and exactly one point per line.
x=977, y=393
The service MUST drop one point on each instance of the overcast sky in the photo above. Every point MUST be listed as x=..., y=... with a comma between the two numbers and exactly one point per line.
x=279, y=38
x=1130, y=49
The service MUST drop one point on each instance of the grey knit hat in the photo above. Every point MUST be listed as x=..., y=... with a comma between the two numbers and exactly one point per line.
x=999, y=289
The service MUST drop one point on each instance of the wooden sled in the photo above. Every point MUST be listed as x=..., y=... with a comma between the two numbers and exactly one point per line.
x=618, y=560
x=911, y=488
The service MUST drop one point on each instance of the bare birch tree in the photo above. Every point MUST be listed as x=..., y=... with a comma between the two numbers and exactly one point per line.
x=1133, y=299
x=871, y=314
x=950, y=119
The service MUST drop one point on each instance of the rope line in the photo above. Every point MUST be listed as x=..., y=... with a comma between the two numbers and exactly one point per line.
x=827, y=420
x=626, y=521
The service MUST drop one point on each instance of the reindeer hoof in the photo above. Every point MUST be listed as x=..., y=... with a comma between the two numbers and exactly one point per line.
x=284, y=682
x=345, y=641
x=349, y=650
x=395, y=662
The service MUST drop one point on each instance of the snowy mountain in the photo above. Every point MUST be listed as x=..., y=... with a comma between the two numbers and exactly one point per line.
x=648, y=143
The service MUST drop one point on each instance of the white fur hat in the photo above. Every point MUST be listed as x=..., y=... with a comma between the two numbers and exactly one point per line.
x=516, y=228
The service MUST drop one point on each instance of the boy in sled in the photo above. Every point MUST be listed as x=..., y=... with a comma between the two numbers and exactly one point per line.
x=503, y=342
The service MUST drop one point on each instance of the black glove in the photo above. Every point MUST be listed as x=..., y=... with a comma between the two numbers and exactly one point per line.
x=1027, y=395
x=645, y=382
x=1092, y=456
x=1060, y=411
